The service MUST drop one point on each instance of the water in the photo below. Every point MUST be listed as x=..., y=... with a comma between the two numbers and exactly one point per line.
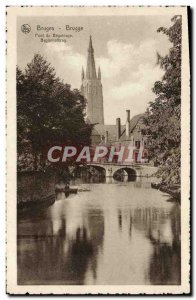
x=116, y=233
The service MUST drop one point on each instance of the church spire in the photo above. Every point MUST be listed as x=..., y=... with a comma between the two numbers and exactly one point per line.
x=90, y=48
x=90, y=69
x=82, y=75
x=99, y=73
x=91, y=89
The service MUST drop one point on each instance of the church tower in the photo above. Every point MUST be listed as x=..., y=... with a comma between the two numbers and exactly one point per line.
x=91, y=89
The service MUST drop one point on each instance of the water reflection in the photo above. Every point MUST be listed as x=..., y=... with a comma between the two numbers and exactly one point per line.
x=98, y=237
x=166, y=258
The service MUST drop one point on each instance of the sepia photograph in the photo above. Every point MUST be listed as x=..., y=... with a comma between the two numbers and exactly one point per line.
x=98, y=187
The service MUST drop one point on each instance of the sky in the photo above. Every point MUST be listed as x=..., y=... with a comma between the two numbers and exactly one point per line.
x=125, y=48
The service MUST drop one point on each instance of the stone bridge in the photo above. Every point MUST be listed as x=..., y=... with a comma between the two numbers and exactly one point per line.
x=135, y=169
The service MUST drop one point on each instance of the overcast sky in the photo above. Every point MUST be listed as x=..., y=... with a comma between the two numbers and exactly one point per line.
x=125, y=48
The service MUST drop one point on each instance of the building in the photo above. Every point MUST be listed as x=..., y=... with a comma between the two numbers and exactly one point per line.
x=131, y=133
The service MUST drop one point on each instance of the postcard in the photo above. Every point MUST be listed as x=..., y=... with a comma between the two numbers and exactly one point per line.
x=98, y=150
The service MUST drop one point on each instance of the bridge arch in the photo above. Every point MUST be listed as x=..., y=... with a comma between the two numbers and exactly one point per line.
x=131, y=173
x=101, y=169
x=91, y=169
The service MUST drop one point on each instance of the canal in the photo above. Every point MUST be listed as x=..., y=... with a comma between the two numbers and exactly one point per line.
x=109, y=233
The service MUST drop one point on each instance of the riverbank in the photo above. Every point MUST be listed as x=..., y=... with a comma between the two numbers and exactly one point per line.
x=35, y=190
x=36, y=204
x=174, y=191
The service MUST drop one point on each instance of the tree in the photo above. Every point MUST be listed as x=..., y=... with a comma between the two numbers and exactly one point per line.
x=164, y=113
x=48, y=111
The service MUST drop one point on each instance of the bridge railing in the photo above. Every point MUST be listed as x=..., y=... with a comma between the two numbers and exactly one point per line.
x=120, y=164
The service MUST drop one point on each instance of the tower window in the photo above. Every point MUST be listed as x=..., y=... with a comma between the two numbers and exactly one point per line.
x=137, y=144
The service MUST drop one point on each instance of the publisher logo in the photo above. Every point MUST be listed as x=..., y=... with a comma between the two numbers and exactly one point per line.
x=25, y=28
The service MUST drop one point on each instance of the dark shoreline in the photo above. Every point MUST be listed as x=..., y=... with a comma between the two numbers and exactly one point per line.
x=173, y=191
x=36, y=204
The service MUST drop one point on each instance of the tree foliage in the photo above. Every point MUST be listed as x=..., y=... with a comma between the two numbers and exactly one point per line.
x=48, y=111
x=164, y=113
